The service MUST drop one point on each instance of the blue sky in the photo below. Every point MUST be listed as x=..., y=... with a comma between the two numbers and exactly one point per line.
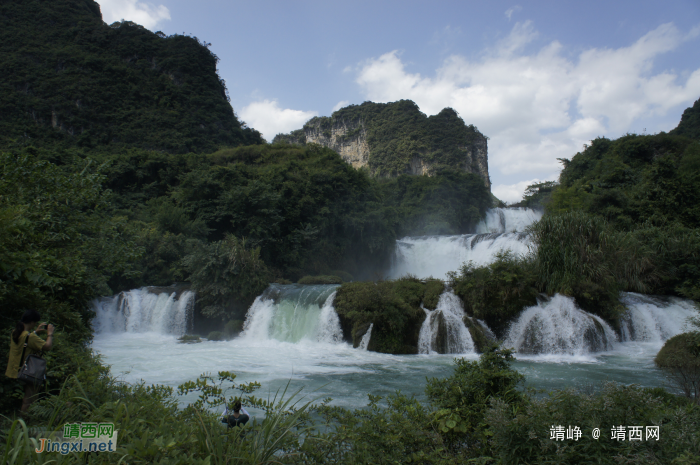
x=540, y=79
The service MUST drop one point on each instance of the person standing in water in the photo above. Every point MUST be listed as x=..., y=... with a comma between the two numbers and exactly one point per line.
x=35, y=345
x=240, y=416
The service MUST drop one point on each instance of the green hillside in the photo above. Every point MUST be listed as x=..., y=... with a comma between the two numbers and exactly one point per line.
x=68, y=79
x=690, y=123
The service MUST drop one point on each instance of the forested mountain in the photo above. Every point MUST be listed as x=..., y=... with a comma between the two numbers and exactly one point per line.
x=396, y=138
x=690, y=122
x=69, y=79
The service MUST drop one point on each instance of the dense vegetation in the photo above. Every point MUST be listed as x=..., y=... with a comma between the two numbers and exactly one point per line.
x=59, y=249
x=397, y=132
x=71, y=80
x=476, y=415
x=393, y=307
x=122, y=164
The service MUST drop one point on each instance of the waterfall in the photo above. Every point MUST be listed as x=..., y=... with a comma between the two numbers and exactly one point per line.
x=364, y=342
x=293, y=313
x=160, y=310
x=557, y=326
x=504, y=220
x=654, y=319
x=502, y=229
x=443, y=330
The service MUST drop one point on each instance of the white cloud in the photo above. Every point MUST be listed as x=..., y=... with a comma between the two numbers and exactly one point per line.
x=510, y=11
x=341, y=104
x=542, y=105
x=514, y=192
x=267, y=117
x=145, y=14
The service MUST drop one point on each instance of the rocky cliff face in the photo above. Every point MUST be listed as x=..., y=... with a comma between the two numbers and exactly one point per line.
x=396, y=138
x=348, y=138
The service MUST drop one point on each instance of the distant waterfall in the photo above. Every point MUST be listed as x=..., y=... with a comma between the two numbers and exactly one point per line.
x=502, y=229
x=443, y=330
x=293, y=313
x=148, y=309
x=557, y=326
x=654, y=319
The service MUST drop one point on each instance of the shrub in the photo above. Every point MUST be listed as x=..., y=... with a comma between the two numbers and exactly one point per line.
x=463, y=398
x=580, y=255
x=320, y=280
x=523, y=435
x=496, y=293
x=344, y=275
x=227, y=276
x=680, y=359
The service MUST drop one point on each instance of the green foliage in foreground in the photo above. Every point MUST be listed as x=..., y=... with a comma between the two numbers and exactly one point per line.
x=680, y=359
x=476, y=415
x=59, y=247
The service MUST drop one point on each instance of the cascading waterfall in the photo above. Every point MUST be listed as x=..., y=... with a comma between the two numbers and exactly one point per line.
x=654, y=319
x=502, y=229
x=557, y=326
x=443, y=330
x=293, y=313
x=364, y=342
x=159, y=310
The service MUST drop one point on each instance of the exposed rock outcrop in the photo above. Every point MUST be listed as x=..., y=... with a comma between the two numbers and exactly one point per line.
x=396, y=138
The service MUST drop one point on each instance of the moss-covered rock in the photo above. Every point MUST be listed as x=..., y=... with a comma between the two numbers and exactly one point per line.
x=394, y=307
x=482, y=339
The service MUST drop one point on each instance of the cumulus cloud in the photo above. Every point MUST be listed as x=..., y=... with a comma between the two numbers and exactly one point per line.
x=145, y=14
x=540, y=106
x=341, y=104
x=267, y=117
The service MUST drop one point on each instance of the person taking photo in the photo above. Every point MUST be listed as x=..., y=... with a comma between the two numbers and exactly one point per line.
x=34, y=345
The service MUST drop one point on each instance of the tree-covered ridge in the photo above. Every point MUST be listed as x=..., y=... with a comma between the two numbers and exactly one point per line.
x=399, y=135
x=690, y=122
x=634, y=180
x=71, y=80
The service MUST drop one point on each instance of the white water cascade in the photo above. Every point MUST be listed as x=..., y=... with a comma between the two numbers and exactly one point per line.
x=292, y=313
x=161, y=310
x=364, y=342
x=502, y=229
x=443, y=330
x=558, y=327
x=653, y=318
